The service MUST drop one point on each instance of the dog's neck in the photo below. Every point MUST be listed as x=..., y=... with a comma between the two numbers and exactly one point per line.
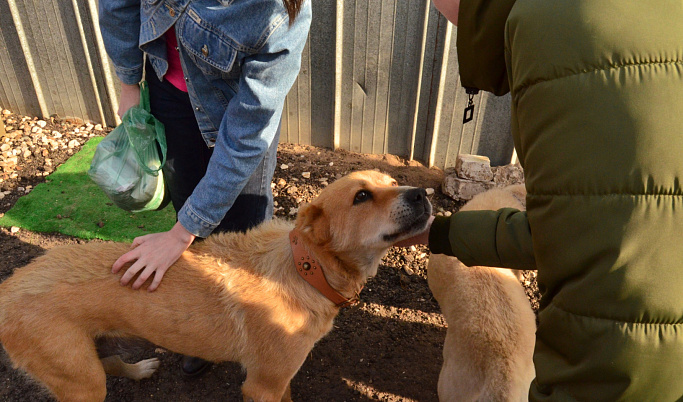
x=310, y=268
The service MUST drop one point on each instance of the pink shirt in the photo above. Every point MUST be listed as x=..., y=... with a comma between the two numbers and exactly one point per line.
x=174, y=74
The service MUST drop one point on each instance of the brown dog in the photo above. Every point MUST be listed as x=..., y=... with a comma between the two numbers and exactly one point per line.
x=233, y=297
x=491, y=327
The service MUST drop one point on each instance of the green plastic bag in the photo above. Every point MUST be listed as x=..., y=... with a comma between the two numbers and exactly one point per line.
x=127, y=162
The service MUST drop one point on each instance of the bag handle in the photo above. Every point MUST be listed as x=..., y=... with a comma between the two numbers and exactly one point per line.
x=158, y=129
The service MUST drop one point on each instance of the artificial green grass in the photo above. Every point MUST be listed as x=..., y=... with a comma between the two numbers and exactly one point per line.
x=69, y=202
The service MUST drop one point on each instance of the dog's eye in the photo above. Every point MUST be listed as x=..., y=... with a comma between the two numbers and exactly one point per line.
x=394, y=183
x=362, y=196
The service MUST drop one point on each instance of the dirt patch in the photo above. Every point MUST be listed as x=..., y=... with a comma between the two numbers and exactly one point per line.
x=388, y=349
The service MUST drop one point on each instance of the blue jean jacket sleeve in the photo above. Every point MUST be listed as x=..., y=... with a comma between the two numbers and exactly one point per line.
x=248, y=127
x=120, y=27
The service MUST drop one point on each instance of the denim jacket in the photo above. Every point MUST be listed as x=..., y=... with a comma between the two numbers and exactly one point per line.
x=239, y=57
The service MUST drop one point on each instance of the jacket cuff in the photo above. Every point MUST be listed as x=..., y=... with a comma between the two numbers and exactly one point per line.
x=129, y=76
x=194, y=223
x=439, y=242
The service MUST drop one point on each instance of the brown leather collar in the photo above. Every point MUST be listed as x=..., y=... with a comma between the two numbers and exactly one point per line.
x=310, y=269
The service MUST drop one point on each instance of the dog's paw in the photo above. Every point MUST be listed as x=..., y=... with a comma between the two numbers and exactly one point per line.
x=145, y=368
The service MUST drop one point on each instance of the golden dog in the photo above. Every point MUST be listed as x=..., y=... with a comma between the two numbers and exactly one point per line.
x=491, y=327
x=234, y=296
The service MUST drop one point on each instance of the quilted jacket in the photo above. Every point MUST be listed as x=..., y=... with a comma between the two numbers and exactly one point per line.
x=597, y=121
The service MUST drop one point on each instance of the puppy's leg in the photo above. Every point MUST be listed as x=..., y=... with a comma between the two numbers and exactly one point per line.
x=113, y=365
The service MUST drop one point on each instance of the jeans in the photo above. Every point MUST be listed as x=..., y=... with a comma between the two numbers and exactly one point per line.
x=188, y=157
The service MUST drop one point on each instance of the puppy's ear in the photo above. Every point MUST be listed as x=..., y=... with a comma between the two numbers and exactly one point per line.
x=313, y=222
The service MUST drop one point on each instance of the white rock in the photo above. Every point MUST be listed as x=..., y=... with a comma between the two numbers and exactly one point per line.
x=27, y=154
x=2, y=195
x=473, y=167
x=429, y=191
x=41, y=123
x=331, y=164
x=14, y=229
x=306, y=175
x=284, y=166
x=36, y=129
x=4, y=147
x=98, y=127
x=6, y=112
x=56, y=134
x=73, y=143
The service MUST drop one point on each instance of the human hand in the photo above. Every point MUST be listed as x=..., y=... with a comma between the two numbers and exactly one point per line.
x=419, y=239
x=130, y=96
x=153, y=254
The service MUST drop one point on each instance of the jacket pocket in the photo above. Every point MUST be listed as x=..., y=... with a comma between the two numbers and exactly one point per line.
x=213, y=53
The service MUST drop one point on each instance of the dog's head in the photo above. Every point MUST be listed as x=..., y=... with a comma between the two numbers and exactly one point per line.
x=364, y=213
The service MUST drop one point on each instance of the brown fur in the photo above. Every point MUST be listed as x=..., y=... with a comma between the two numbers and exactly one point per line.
x=491, y=327
x=231, y=297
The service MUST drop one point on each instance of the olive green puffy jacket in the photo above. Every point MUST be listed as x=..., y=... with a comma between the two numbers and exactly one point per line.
x=597, y=117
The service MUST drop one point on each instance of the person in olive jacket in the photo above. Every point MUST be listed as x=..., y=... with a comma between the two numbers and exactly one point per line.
x=597, y=121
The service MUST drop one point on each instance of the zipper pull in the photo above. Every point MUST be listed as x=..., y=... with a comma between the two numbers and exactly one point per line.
x=469, y=110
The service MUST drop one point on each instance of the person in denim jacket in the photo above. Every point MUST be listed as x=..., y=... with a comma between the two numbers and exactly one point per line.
x=236, y=61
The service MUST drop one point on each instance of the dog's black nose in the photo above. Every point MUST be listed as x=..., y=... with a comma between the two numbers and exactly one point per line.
x=416, y=195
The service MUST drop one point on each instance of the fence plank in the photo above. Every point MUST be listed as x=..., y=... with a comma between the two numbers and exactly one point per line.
x=377, y=76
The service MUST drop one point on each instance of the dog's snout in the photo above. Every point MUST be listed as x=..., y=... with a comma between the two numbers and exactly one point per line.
x=416, y=195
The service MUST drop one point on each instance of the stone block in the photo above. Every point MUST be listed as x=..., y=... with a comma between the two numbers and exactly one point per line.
x=463, y=189
x=507, y=175
x=474, y=167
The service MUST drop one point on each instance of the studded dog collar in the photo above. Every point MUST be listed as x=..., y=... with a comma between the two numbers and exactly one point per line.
x=311, y=271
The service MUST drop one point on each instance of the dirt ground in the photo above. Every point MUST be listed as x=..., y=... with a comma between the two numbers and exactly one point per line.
x=388, y=349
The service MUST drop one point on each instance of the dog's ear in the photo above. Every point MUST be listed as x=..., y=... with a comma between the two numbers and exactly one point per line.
x=312, y=221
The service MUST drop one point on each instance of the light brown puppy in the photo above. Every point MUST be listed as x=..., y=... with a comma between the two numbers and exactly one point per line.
x=491, y=327
x=231, y=297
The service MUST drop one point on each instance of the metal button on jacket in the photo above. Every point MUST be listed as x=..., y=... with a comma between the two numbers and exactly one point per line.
x=205, y=50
